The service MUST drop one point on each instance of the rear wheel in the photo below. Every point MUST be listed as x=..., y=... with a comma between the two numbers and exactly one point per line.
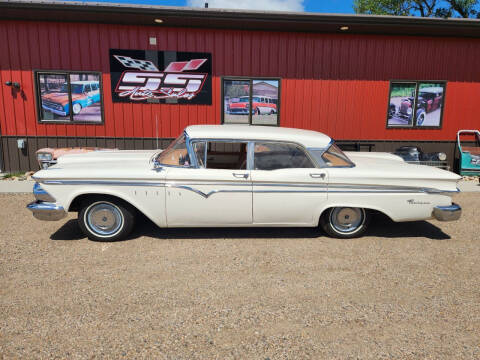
x=105, y=219
x=345, y=222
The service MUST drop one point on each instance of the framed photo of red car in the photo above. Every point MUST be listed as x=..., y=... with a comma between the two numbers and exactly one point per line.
x=70, y=97
x=415, y=104
x=430, y=102
x=252, y=101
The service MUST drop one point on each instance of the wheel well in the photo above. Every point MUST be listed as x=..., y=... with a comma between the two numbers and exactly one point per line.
x=370, y=212
x=76, y=204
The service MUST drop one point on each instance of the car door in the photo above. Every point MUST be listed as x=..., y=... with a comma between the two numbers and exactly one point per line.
x=287, y=187
x=217, y=192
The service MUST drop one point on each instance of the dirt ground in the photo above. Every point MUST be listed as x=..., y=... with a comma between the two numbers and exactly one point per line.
x=404, y=291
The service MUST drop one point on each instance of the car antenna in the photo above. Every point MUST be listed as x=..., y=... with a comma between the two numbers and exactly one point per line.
x=156, y=128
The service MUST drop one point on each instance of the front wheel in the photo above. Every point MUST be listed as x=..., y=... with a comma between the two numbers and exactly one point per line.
x=77, y=108
x=106, y=219
x=345, y=222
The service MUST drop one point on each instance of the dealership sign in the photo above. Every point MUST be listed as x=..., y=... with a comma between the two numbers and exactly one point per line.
x=145, y=76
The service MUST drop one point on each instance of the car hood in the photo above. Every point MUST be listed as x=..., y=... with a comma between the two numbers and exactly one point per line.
x=61, y=98
x=106, y=157
x=116, y=164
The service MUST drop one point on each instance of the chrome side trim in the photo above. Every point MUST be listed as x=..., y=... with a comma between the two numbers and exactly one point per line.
x=331, y=187
x=100, y=182
x=447, y=213
x=41, y=195
x=207, y=195
x=46, y=211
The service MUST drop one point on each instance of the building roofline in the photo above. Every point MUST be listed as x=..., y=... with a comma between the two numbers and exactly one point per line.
x=133, y=14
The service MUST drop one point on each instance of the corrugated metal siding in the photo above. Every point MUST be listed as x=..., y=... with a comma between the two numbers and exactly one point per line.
x=335, y=83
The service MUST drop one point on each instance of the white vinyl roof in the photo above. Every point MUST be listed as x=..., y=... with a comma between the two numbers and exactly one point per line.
x=307, y=138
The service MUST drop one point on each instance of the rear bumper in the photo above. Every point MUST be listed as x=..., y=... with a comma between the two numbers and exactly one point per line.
x=46, y=211
x=447, y=213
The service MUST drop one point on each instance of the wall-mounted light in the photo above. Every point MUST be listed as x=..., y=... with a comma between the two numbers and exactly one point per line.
x=344, y=28
x=13, y=84
x=158, y=21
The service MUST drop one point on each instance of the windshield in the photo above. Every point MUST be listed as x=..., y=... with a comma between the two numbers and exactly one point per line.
x=176, y=154
x=243, y=99
x=332, y=157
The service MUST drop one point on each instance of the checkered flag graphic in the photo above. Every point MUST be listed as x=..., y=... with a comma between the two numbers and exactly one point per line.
x=143, y=65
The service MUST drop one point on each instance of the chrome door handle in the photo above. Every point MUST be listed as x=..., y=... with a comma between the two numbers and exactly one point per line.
x=238, y=175
x=318, y=176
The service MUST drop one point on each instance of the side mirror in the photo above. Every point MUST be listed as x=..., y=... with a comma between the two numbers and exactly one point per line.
x=157, y=166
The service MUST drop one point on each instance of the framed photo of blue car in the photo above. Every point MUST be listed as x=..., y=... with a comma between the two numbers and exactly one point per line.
x=69, y=97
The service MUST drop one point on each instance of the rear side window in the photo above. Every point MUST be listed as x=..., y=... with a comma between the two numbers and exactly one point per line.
x=273, y=156
x=332, y=157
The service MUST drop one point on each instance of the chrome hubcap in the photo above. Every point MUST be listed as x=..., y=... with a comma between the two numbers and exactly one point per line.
x=346, y=220
x=104, y=218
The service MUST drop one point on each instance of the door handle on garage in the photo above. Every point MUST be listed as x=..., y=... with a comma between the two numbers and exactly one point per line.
x=240, y=175
x=318, y=176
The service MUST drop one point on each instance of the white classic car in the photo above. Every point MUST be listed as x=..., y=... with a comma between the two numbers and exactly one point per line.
x=240, y=175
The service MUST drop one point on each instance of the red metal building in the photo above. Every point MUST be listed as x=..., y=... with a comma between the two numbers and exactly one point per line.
x=340, y=82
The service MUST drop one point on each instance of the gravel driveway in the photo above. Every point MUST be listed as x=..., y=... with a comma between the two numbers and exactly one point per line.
x=404, y=291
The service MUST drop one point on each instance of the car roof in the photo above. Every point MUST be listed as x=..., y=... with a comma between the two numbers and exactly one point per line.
x=307, y=138
x=83, y=82
x=432, y=89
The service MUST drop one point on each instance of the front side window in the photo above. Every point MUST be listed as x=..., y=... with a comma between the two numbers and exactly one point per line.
x=176, y=154
x=221, y=154
x=274, y=156
x=332, y=157
x=67, y=97
x=251, y=101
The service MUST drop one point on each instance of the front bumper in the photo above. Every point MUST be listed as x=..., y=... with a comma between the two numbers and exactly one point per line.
x=46, y=211
x=447, y=213
x=55, y=111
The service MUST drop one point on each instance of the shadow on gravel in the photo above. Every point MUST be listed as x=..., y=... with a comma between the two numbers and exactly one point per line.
x=381, y=226
x=69, y=231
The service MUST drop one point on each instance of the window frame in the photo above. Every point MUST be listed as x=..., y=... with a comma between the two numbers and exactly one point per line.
x=250, y=95
x=67, y=73
x=417, y=85
x=250, y=151
x=206, y=141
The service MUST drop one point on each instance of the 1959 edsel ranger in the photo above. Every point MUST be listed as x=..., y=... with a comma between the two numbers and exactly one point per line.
x=240, y=175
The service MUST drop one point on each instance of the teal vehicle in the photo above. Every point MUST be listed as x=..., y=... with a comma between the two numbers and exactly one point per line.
x=469, y=164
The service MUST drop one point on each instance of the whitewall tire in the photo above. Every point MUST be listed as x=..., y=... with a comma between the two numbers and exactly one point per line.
x=105, y=219
x=345, y=222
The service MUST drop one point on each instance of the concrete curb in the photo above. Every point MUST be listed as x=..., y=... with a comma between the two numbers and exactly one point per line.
x=16, y=186
x=25, y=186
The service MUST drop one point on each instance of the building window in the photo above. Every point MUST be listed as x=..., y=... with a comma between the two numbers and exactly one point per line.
x=252, y=101
x=416, y=104
x=69, y=97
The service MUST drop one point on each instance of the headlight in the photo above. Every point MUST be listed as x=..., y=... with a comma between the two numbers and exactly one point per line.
x=442, y=156
x=409, y=110
x=44, y=157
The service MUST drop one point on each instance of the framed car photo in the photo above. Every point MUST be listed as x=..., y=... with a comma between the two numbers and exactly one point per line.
x=416, y=104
